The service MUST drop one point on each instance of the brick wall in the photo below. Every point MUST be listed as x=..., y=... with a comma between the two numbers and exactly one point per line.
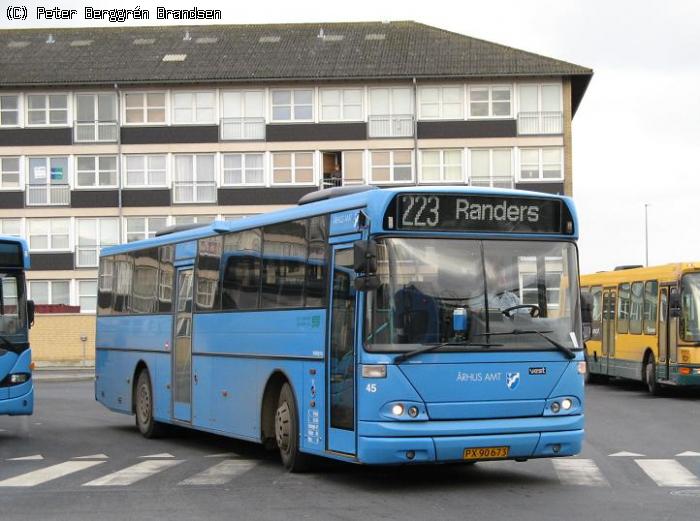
x=55, y=337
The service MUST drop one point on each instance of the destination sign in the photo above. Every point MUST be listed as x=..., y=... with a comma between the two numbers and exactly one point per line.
x=479, y=213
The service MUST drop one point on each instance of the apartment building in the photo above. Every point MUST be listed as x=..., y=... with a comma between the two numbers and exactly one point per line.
x=111, y=134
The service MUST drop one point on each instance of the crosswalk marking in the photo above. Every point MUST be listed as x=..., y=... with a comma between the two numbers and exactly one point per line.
x=132, y=474
x=688, y=453
x=220, y=473
x=668, y=473
x=35, y=457
x=37, y=477
x=579, y=472
x=94, y=456
x=625, y=454
x=158, y=456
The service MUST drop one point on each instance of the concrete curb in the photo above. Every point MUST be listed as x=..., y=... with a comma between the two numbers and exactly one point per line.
x=64, y=378
x=72, y=374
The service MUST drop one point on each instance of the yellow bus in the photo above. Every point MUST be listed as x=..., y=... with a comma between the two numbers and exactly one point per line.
x=645, y=324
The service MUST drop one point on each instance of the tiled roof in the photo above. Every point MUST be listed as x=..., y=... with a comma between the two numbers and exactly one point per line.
x=232, y=53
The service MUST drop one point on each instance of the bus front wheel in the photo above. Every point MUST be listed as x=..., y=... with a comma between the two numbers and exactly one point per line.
x=143, y=405
x=287, y=432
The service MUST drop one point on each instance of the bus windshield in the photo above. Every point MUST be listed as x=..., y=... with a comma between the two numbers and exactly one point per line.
x=11, y=321
x=510, y=292
x=690, y=291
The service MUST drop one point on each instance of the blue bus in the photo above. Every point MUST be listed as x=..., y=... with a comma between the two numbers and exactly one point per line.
x=16, y=317
x=375, y=326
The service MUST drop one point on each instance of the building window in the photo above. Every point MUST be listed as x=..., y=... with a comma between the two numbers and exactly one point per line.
x=96, y=171
x=92, y=236
x=293, y=168
x=87, y=295
x=47, y=109
x=540, y=109
x=243, y=115
x=11, y=227
x=193, y=219
x=391, y=166
x=341, y=104
x=9, y=110
x=194, y=107
x=491, y=167
x=441, y=166
x=243, y=169
x=50, y=291
x=96, y=117
x=490, y=101
x=48, y=181
x=145, y=171
x=9, y=172
x=292, y=105
x=441, y=102
x=194, y=179
x=49, y=234
x=541, y=164
x=139, y=228
x=390, y=112
x=144, y=107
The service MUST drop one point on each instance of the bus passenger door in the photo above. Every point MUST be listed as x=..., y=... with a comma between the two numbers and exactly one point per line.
x=664, y=352
x=608, y=344
x=182, y=347
x=341, y=354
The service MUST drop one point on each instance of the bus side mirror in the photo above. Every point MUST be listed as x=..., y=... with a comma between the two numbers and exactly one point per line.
x=674, y=304
x=366, y=283
x=30, y=313
x=365, y=256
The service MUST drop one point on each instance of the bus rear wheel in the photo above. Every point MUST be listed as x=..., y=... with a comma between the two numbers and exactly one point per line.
x=287, y=432
x=143, y=405
x=650, y=376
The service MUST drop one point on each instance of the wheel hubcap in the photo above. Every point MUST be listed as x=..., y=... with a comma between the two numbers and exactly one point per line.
x=282, y=427
x=144, y=404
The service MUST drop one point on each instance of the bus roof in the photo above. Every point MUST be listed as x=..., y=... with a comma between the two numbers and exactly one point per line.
x=23, y=245
x=375, y=201
x=664, y=272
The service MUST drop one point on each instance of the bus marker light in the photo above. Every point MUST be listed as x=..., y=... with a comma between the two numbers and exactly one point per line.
x=397, y=410
x=555, y=407
x=410, y=454
x=566, y=404
x=581, y=367
x=374, y=371
x=696, y=371
x=413, y=411
x=556, y=448
x=684, y=370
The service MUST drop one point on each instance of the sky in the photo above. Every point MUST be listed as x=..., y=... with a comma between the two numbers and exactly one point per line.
x=636, y=134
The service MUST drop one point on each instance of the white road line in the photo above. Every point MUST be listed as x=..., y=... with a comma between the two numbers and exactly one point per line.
x=688, y=453
x=579, y=472
x=220, y=473
x=132, y=474
x=668, y=473
x=37, y=477
x=35, y=457
x=158, y=456
x=625, y=454
x=94, y=456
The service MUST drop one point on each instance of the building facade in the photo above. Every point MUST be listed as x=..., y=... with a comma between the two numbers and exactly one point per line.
x=109, y=135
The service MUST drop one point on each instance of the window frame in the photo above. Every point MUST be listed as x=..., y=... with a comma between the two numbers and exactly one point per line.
x=622, y=324
x=391, y=166
x=440, y=103
x=79, y=295
x=146, y=171
x=144, y=109
x=293, y=168
x=490, y=88
x=442, y=166
x=100, y=243
x=50, y=234
x=50, y=292
x=645, y=322
x=636, y=327
x=491, y=150
x=243, y=169
x=96, y=172
x=19, y=110
x=194, y=108
x=149, y=233
x=342, y=105
x=540, y=165
x=195, y=181
x=540, y=86
x=47, y=110
x=292, y=104
x=20, y=176
x=19, y=221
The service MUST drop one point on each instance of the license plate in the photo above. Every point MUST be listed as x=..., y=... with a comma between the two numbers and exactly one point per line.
x=480, y=453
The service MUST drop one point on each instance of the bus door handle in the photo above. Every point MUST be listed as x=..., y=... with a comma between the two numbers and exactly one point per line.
x=196, y=379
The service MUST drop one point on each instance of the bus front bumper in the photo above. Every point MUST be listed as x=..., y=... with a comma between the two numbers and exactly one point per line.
x=18, y=406
x=387, y=443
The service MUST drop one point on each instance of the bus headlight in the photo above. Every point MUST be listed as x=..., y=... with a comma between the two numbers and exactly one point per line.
x=404, y=411
x=566, y=404
x=562, y=406
x=397, y=409
x=18, y=378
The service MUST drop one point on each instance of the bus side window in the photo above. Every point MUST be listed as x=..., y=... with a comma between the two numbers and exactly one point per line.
x=285, y=253
x=105, y=286
x=636, y=307
x=240, y=270
x=145, y=284
x=316, y=267
x=623, y=308
x=651, y=295
x=596, y=312
x=207, y=294
x=123, y=274
x=166, y=272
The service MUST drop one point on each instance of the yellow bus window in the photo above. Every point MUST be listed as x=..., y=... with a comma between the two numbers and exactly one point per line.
x=623, y=308
x=651, y=290
x=636, y=306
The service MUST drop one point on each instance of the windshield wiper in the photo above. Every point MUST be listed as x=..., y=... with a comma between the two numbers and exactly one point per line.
x=410, y=354
x=567, y=352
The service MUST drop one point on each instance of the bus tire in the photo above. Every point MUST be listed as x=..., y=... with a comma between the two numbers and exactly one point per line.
x=143, y=406
x=287, y=432
x=650, y=376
